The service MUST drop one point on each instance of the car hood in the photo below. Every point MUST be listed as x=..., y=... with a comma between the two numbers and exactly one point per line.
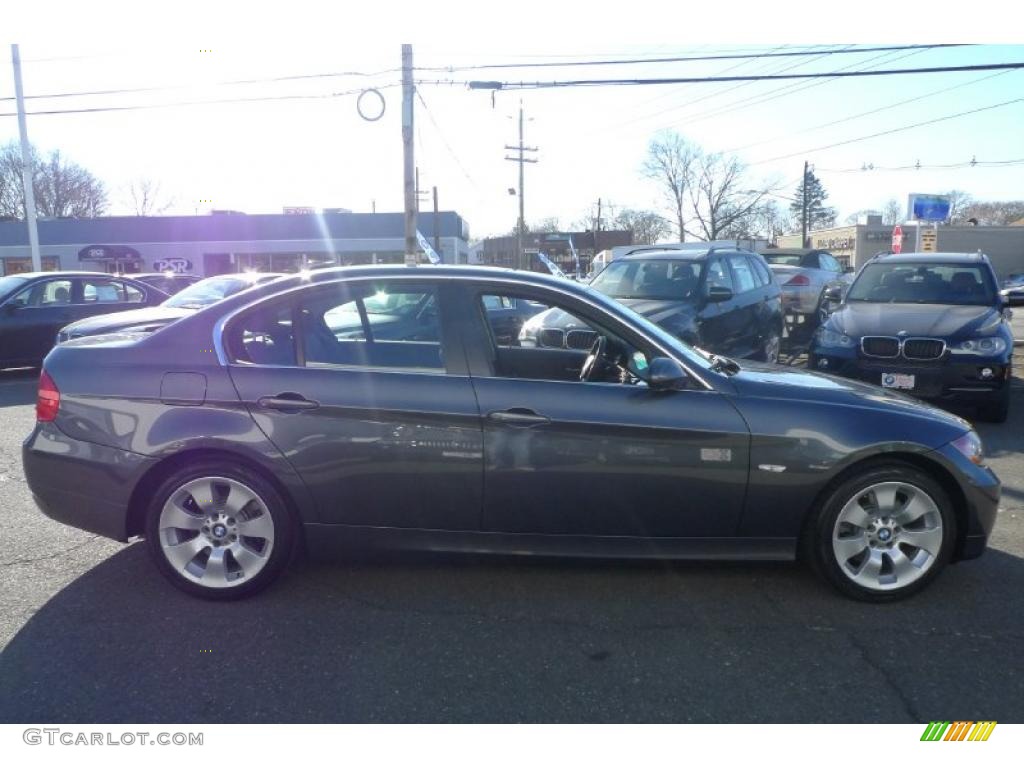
x=660, y=310
x=937, y=320
x=117, y=321
x=781, y=382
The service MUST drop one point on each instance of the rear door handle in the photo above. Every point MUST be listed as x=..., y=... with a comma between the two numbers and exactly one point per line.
x=518, y=417
x=287, y=401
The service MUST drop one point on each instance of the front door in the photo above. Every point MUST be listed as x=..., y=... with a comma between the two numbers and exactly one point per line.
x=361, y=389
x=34, y=316
x=605, y=457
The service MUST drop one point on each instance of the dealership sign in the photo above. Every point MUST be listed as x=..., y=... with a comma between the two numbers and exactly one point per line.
x=108, y=253
x=928, y=207
x=173, y=264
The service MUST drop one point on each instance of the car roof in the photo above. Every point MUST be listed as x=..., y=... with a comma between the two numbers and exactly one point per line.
x=935, y=258
x=790, y=251
x=62, y=273
x=173, y=275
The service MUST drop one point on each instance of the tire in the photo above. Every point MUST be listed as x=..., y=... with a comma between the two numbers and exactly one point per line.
x=998, y=411
x=905, y=550
x=217, y=508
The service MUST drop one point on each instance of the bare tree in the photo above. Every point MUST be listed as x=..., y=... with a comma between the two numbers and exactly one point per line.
x=997, y=213
x=648, y=227
x=146, y=198
x=670, y=162
x=892, y=212
x=62, y=188
x=721, y=200
x=959, y=202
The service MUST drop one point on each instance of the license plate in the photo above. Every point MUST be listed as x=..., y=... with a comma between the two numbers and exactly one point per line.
x=898, y=380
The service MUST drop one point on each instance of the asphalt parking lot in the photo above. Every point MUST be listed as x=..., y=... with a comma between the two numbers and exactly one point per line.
x=91, y=633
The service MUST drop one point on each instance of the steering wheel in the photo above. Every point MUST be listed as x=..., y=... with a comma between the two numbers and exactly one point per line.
x=595, y=356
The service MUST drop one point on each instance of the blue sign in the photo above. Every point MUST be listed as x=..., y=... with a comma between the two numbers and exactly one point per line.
x=929, y=207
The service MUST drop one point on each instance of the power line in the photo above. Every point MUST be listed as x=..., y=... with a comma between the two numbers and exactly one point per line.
x=673, y=59
x=496, y=85
x=444, y=141
x=859, y=115
x=890, y=131
x=918, y=166
x=202, y=102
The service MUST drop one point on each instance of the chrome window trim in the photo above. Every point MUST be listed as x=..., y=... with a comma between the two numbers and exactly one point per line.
x=219, y=326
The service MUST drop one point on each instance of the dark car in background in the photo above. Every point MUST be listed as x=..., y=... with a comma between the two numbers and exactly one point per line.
x=200, y=294
x=720, y=299
x=253, y=428
x=168, y=282
x=34, y=306
x=931, y=325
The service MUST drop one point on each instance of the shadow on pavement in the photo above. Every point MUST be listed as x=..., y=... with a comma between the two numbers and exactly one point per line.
x=427, y=639
x=18, y=386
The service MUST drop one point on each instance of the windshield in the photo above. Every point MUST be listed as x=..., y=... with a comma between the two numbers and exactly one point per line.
x=923, y=283
x=654, y=279
x=211, y=290
x=783, y=259
x=10, y=284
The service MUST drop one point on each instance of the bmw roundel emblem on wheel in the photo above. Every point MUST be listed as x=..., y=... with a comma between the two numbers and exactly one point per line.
x=448, y=408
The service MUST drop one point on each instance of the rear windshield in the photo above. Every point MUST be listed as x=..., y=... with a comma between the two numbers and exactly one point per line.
x=10, y=284
x=210, y=291
x=654, y=279
x=783, y=259
x=923, y=284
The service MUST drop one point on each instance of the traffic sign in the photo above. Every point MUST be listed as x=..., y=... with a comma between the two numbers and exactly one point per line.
x=897, y=239
x=929, y=240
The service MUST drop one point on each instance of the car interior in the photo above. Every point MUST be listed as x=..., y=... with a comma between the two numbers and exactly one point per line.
x=925, y=284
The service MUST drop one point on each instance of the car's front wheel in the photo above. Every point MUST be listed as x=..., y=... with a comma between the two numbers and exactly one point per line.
x=884, y=533
x=219, y=532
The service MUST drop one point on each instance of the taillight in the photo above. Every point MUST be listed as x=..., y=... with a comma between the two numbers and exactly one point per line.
x=48, y=399
x=799, y=280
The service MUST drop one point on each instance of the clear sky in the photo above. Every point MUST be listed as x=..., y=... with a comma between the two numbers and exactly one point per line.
x=260, y=156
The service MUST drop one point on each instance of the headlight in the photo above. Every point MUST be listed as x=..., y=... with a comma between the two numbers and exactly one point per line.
x=829, y=338
x=970, y=446
x=987, y=346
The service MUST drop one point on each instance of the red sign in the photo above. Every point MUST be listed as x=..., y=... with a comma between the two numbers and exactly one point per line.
x=897, y=239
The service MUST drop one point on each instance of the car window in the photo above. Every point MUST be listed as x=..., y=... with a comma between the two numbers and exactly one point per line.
x=44, y=294
x=263, y=336
x=759, y=272
x=829, y=263
x=923, y=283
x=649, y=279
x=718, y=275
x=783, y=259
x=389, y=327
x=104, y=291
x=525, y=342
x=811, y=261
x=743, y=274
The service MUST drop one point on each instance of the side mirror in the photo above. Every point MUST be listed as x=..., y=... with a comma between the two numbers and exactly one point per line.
x=718, y=293
x=833, y=293
x=666, y=373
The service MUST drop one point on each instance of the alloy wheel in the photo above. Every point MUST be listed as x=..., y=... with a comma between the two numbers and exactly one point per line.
x=216, y=532
x=888, y=536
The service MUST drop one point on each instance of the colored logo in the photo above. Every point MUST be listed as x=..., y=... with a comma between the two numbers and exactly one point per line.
x=959, y=731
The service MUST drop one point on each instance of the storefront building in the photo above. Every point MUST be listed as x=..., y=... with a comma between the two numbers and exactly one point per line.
x=227, y=242
x=854, y=245
x=501, y=251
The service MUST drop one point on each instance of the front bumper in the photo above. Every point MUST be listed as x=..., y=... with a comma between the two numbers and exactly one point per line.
x=81, y=484
x=981, y=489
x=948, y=379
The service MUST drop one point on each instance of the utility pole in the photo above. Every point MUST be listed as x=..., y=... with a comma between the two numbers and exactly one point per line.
x=26, y=165
x=409, y=163
x=437, y=228
x=803, y=218
x=522, y=159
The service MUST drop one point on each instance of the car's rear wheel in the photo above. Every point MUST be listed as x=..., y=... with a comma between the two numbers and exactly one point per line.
x=219, y=532
x=884, y=533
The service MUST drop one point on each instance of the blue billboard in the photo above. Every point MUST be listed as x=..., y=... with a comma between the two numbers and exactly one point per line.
x=928, y=208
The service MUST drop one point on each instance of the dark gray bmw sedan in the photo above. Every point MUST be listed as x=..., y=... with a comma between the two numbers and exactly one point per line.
x=376, y=406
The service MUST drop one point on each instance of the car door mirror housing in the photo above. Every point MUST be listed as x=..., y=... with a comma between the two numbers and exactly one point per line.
x=833, y=293
x=666, y=373
x=719, y=293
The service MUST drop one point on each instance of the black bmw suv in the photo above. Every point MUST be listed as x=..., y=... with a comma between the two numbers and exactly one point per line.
x=719, y=298
x=930, y=324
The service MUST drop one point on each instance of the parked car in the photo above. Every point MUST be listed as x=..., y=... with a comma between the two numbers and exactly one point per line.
x=930, y=324
x=184, y=303
x=35, y=305
x=168, y=282
x=720, y=299
x=1013, y=288
x=805, y=275
x=251, y=428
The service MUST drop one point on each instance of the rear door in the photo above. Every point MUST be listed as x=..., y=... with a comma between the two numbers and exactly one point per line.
x=749, y=296
x=364, y=388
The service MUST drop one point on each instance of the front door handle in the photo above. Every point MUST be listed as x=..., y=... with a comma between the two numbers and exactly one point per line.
x=518, y=417
x=287, y=401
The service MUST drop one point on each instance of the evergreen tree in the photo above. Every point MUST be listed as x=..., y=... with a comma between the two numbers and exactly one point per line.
x=819, y=215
